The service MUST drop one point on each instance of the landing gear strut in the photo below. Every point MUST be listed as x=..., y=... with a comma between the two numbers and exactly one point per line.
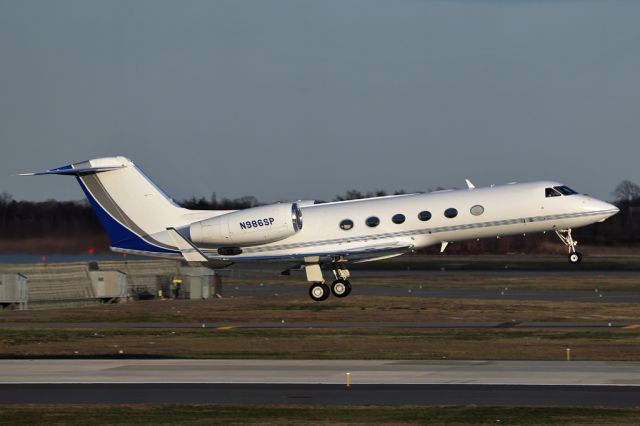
x=341, y=287
x=567, y=239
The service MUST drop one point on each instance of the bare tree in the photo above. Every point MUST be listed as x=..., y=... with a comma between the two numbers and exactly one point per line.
x=627, y=191
x=5, y=198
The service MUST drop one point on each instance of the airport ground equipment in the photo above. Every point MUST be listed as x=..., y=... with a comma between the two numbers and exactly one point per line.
x=141, y=219
x=109, y=286
x=13, y=291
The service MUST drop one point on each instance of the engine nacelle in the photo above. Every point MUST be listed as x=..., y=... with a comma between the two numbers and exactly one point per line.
x=257, y=225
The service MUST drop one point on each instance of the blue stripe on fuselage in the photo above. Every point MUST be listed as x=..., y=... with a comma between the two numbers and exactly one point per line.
x=121, y=236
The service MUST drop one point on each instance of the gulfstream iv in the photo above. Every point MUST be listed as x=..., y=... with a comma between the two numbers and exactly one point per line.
x=141, y=219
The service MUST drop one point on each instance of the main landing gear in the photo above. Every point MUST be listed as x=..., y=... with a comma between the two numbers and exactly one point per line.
x=319, y=291
x=341, y=288
x=567, y=239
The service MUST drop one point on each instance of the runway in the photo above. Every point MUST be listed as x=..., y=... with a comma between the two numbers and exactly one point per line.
x=320, y=371
x=426, y=395
x=506, y=383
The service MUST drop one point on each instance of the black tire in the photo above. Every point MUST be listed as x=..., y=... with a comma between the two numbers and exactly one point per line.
x=348, y=287
x=327, y=292
x=340, y=288
x=575, y=258
x=319, y=292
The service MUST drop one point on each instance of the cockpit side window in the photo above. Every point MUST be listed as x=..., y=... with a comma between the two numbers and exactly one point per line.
x=550, y=192
x=565, y=190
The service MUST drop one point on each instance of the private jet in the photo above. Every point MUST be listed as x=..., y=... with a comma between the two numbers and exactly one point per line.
x=142, y=220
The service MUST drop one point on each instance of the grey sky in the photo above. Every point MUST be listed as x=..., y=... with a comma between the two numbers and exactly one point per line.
x=306, y=99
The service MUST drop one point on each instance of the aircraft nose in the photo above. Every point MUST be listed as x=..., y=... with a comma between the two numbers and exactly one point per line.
x=613, y=209
x=605, y=209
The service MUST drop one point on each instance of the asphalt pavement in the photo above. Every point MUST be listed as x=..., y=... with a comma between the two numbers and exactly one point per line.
x=491, y=383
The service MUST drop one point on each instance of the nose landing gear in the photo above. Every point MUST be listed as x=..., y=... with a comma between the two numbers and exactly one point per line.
x=575, y=257
x=565, y=236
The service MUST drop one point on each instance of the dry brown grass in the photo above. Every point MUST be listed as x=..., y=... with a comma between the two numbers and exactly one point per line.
x=354, y=308
x=325, y=343
x=242, y=414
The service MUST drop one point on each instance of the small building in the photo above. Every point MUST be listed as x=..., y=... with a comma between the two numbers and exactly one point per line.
x=109, y=286
x=13, y=291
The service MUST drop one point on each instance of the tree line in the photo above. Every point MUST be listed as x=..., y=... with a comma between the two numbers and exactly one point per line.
x=76, y=219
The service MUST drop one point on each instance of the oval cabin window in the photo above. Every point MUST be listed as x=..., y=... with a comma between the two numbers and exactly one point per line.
x=477, y=210
x=424, y=216
x=398, y=218
x=346, y=224
x=372, y=222
x=451, y=213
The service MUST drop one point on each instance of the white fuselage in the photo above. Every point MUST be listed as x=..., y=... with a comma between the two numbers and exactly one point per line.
x=505, y=210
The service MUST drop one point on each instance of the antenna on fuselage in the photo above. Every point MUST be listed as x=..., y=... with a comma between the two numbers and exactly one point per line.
x=469, y=184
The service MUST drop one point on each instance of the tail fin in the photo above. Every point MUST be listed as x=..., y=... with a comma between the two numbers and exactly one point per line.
x=132, y=209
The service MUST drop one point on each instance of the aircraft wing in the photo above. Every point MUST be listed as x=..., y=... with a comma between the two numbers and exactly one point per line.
x=351, y=254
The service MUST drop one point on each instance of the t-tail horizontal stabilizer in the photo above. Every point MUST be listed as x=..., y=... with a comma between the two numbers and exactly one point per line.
x=187, y=249
x=70, y=170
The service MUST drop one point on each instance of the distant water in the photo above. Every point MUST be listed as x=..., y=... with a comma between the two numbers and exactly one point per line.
x=58, y=258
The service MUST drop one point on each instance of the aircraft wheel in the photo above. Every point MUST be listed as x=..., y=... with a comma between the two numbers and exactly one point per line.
x=575, y=258
x=319, y=292
x=341, y=288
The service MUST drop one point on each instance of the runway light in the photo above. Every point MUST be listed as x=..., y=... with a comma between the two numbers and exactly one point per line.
x=91, y=250
x=568, y=354
x=348, y=379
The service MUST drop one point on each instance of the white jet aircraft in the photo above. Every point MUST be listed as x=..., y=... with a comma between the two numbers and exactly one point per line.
x=141, y=219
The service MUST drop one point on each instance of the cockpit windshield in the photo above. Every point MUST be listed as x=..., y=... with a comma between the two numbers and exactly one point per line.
x=557, y=191
x=565, y=190
x=550, y=192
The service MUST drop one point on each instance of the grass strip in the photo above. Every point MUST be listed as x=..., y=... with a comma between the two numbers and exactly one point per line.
x=155, y=414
